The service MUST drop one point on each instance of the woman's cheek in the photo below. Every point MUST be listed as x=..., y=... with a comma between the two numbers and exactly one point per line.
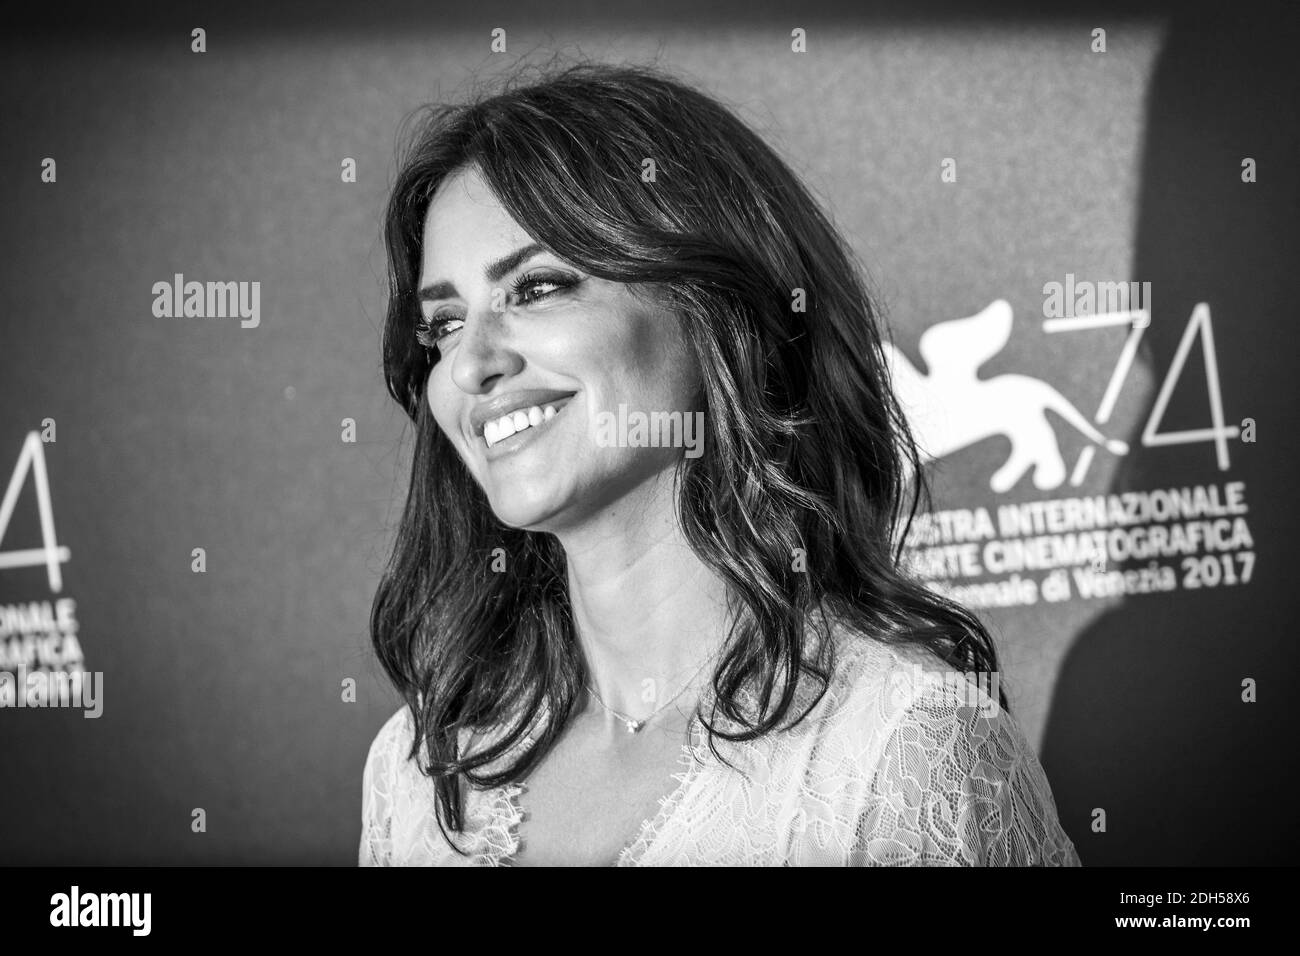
x=442, y=405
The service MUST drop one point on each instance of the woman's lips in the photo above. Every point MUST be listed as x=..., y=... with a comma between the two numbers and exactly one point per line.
x=513, y=429
x=495, y=409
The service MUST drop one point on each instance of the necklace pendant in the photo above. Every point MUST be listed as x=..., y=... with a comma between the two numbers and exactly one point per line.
x=633, y=726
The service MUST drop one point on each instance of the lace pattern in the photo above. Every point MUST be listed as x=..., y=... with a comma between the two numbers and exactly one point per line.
x=897, y=765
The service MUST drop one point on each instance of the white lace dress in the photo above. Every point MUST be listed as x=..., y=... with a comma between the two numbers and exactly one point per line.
x=899, y=764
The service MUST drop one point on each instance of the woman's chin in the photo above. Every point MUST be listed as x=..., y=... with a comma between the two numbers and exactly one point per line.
x=517, y=509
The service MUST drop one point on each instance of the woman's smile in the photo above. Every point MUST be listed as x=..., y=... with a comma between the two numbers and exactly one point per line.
x=507, y=424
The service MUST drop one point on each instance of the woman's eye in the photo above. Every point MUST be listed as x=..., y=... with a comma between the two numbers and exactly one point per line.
x=530, y=293
x=430, y=332
x=531, y=287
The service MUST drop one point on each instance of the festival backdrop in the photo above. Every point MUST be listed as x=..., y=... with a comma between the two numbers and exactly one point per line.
x=1081, y=226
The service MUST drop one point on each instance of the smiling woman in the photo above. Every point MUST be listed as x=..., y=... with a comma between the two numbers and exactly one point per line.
x=615, y=651
x=555, y=338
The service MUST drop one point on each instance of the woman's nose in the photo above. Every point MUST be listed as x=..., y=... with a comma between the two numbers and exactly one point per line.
x=484, y=353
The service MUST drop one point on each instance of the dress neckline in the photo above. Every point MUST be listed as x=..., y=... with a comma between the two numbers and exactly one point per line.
x=502, y=813
x=507, y=814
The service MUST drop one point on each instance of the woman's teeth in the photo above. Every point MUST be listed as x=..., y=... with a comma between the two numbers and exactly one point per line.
x=517, y=421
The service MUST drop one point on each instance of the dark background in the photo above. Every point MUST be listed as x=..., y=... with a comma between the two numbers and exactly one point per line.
x=223, y=689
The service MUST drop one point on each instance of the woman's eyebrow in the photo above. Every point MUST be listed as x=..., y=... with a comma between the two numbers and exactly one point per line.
x=494, y=272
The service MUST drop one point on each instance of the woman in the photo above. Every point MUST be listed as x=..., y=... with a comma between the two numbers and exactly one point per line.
x=619, y=643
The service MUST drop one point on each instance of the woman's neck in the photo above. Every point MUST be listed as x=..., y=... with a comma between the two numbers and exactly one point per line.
x=645, y=607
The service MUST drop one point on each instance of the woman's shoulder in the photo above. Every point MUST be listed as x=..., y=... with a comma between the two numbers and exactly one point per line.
x=873, y=681
x=393, y=745
x=380, y=789
x=389, y=748
x=397, y=730
x=925, y=742
x=879, y=689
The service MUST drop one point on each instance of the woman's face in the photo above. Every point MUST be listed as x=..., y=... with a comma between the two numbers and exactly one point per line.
x=521, y=334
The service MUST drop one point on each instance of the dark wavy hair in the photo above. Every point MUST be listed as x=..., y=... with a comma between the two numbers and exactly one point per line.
x=809, y=448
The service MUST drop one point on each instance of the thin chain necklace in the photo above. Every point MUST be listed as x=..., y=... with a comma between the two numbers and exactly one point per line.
x=633, y=724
